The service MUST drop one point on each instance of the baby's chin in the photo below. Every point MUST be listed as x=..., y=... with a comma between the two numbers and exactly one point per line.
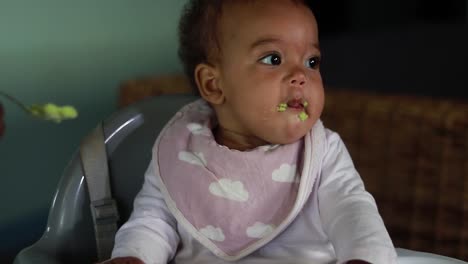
x=288, y=137
x=281, y=132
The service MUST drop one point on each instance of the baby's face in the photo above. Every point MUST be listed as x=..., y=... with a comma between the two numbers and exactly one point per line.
x=269, y=70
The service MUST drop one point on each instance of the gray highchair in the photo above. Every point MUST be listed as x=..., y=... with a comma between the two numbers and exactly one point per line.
x=129, y=135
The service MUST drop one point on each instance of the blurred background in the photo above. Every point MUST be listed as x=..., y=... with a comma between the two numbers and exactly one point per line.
x=413, y=47
x=79, y=53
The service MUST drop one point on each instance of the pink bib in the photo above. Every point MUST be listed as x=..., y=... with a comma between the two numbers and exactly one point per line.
x=230, y=201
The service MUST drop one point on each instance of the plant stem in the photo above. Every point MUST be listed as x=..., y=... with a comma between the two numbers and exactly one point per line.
x=15, y=101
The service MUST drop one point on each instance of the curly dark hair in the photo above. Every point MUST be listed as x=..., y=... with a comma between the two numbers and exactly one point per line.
x=199, y=34
x=198, y=28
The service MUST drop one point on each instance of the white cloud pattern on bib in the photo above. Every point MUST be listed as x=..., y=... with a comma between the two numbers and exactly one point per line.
x=213, y=233
x=198, y=129
x=193, y=158
x=286, y=173
x=229, y=189
x=259, y=230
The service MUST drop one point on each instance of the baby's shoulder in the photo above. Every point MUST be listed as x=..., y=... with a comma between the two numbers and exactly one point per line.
x=332, y=138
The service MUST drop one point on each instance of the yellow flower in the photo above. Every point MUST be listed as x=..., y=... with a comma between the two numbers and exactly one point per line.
x=53, y=112
x=50, y=112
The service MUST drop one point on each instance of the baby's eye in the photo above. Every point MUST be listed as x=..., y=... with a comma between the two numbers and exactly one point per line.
x=313, y=62
x=272, y=59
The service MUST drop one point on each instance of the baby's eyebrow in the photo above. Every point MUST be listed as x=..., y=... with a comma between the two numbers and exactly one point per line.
x=264, y=41
x=270, y=40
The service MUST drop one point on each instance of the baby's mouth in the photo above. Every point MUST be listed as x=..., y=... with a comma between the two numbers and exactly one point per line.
x=296, y=104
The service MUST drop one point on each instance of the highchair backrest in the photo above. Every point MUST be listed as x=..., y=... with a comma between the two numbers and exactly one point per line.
x=129, y=137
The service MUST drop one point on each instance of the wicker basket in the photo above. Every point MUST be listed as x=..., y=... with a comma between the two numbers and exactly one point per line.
x=412, y=154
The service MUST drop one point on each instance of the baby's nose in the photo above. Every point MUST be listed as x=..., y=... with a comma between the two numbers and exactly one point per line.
x=297, y=78
x=298, y=81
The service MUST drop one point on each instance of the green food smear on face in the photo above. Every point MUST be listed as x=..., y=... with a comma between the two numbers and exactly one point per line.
x=282, y=107
x=305, y=104
x=303, y=116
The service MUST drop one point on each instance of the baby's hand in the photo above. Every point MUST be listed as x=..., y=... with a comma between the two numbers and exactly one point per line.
x=123, y=260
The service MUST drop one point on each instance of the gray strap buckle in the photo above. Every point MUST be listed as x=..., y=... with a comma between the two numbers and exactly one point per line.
x=104, y=211
x=105, y=217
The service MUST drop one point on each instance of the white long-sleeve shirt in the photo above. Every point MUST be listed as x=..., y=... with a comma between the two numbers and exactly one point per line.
x=339, y=222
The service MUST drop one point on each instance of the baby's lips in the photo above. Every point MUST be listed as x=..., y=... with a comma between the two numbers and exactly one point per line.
x=296, y=103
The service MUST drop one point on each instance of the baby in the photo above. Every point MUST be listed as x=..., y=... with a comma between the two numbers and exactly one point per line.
x=248, y=174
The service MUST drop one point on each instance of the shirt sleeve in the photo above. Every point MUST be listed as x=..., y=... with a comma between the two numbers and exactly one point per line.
x=150, y=233
x=348, y=212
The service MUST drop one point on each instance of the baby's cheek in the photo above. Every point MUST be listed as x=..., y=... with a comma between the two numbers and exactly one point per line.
x=267, y=114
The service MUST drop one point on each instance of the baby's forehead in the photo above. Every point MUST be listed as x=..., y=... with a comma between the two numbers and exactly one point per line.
x=243, y=22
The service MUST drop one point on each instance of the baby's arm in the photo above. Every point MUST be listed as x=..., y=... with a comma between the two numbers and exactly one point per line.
x=149, y=236
x=349, y=213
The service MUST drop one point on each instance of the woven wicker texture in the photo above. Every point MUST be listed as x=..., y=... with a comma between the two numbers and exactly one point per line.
x=412, y=153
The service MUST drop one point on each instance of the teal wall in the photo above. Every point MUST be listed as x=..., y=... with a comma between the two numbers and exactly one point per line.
x=67, y=52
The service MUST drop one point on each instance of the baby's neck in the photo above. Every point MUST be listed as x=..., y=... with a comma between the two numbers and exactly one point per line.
x=234, y=140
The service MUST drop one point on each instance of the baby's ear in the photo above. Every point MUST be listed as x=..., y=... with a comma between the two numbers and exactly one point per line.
x=207, y=79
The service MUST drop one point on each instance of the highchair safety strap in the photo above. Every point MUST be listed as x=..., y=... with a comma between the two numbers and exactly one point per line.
x=103, y=207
